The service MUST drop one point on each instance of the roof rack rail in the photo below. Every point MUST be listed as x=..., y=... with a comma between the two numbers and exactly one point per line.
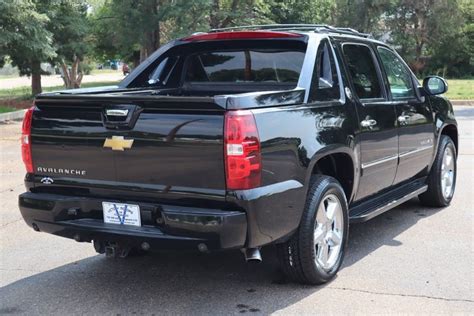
x=319, y=28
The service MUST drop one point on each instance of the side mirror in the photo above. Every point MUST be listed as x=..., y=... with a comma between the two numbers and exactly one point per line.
x=434, y=85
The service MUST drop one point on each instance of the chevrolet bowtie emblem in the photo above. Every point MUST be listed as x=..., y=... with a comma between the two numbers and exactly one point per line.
x=118, y=143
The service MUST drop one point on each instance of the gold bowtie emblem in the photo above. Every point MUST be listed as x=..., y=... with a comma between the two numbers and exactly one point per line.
x=118, y=143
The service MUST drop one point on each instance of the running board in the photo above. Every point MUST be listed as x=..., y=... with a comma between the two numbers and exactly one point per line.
x=386, y=201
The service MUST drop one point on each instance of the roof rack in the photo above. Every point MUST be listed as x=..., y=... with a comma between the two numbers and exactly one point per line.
x=319, y=28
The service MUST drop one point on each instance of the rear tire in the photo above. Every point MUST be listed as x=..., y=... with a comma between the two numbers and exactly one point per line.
x=314, y=254
x=442, y=178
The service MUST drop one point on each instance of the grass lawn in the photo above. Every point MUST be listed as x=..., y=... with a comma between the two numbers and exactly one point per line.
x=21, y=98
x=5, y=109
x=460, y=89
x=105, y=71
x=23, y=93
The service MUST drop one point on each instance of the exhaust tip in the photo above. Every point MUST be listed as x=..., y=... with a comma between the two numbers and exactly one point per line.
x=35, y=227
x=252, y=255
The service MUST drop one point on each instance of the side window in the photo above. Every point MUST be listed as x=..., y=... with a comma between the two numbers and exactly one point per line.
x=399, y=77
x=161, y=74
x=362, y=69
x=325, y=83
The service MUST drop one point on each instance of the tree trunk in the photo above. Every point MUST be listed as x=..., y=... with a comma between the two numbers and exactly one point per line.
x=152, y=37
x=36, y=78
x=143, y=55
x=72, y=79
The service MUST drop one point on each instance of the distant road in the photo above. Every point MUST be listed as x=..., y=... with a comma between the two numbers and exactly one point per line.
x=56, y=80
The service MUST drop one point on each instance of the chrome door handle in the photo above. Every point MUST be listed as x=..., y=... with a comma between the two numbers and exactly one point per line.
x=403, y=118
x=368, y=123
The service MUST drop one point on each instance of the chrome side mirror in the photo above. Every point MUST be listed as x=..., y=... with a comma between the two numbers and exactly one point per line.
x=434, y=85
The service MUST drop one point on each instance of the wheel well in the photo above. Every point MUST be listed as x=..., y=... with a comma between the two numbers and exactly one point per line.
x=452, y=132
x=340, y=167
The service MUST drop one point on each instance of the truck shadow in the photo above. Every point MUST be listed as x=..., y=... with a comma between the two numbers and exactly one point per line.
x=188, y=283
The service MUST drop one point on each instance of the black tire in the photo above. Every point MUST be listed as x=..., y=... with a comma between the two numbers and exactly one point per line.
x=297, y=255
x=434, y=195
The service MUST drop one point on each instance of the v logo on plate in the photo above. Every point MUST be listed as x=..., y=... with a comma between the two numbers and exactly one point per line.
x=121, y=218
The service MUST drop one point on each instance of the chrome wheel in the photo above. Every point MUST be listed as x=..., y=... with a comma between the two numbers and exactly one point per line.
x=447, y=173
x=328, y=232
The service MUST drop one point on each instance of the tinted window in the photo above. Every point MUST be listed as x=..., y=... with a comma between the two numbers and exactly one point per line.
x=399, y=77
x=245, y=66
x=325, y=85
x=362, y=70
x=163, y=71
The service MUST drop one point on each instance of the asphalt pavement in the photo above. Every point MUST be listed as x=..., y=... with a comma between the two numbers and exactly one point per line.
x=411, y=259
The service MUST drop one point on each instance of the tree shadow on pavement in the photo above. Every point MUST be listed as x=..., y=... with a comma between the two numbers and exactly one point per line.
x=187, y=283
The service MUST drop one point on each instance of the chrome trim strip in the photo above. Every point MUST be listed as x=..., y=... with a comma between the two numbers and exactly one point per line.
x=414, y=151
x=389, y=158
x=116, y=112
x=378, y=161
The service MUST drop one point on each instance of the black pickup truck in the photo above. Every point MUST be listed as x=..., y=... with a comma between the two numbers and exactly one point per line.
x=240, y=138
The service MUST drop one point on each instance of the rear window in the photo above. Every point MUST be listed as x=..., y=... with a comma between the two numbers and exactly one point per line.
x=257, y=65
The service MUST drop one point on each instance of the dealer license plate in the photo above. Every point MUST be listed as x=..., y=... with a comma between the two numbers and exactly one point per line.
x=121, y=214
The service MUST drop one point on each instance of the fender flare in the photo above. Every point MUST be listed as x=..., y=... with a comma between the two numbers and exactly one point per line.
x=439, y=132
x=336, y=149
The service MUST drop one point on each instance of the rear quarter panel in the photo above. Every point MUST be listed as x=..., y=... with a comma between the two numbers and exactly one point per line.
x=292, y=139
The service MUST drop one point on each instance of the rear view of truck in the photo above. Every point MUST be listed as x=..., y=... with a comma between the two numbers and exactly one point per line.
x=172, y=157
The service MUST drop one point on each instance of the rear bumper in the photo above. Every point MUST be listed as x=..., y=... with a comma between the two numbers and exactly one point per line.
x=163, y=226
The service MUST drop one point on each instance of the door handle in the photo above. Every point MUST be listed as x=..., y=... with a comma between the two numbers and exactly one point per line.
x=368, y=123
x=403, y=118
x=120, y=116
x=116, y=112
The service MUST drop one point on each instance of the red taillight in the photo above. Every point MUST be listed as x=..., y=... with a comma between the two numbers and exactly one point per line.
x=240, y=35
x=242, y=151
x=26, y=140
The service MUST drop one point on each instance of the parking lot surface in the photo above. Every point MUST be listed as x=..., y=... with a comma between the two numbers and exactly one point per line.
x=411, y=259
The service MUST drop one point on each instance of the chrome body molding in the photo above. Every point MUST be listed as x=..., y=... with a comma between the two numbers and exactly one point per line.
x=389, y=158
x=378, y=161
x=415, y=151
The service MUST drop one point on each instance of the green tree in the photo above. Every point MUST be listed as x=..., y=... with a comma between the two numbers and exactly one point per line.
x=133, y=29
x=225, y=13
x=417, y=25
x=24, y=37
x=70, y=27
x=129, y=29
x=297, y=11
x=459, y=62
x=366, y=16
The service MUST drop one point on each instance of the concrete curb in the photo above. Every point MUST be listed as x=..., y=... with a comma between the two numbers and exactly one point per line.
x=12, y=116
x=462, y=102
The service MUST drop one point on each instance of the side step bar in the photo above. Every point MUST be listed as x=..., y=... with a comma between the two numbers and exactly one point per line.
x=367, y=210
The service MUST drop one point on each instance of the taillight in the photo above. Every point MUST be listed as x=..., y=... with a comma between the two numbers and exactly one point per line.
x=26, y=140
x=242, y=151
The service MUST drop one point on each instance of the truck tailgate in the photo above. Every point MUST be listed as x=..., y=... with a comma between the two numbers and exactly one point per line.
x=177, y=145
